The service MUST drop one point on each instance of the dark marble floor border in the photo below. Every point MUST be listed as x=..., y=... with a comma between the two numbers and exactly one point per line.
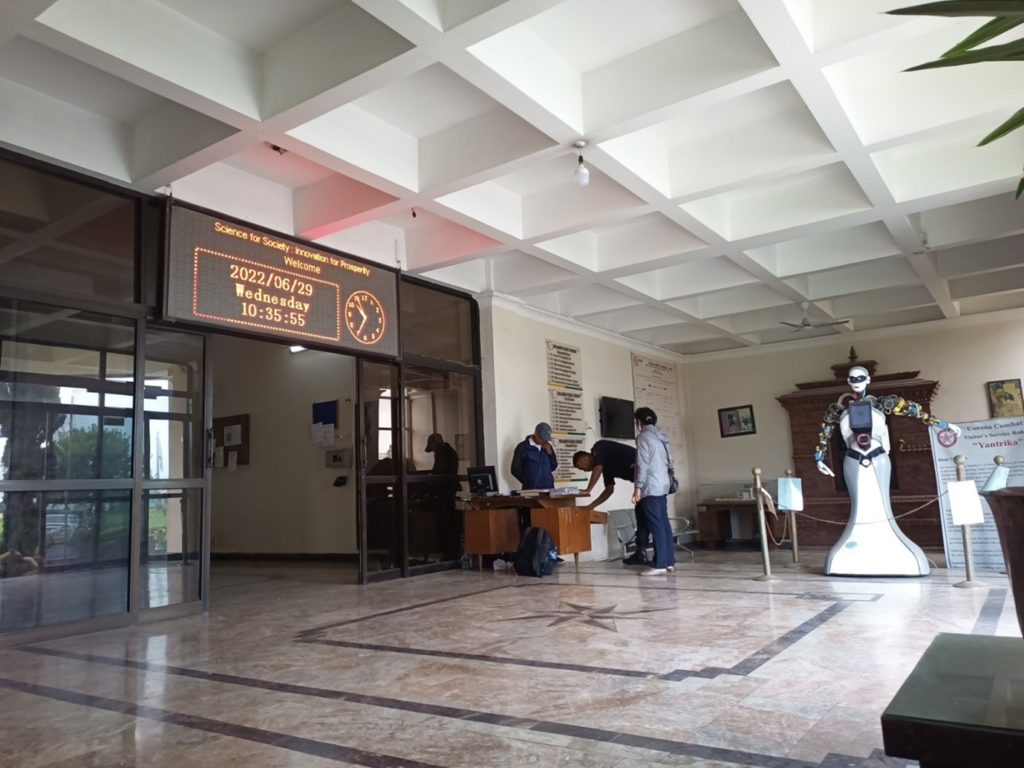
x=744, y=667
x=312, y=631
x=990, y=613
x=803, y=593
x=313, y=747
x=668, y=746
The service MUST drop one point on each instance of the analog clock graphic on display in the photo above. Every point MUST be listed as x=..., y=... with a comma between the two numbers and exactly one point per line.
x=365, y=317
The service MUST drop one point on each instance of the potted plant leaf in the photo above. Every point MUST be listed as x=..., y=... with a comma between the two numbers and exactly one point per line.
x=1005, y=16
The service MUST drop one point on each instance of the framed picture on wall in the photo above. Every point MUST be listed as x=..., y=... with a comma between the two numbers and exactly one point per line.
x=738, y=420
x=1004, y=399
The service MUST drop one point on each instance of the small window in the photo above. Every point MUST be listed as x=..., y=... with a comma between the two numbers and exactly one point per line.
x=436, y=324
x=64, y=237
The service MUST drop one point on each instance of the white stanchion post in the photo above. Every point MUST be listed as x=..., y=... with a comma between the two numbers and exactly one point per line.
x=766, y=560
x=791, y=514
x=965, y=529
x=998, y=480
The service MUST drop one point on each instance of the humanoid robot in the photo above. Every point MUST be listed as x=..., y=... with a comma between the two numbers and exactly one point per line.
x=872, y=543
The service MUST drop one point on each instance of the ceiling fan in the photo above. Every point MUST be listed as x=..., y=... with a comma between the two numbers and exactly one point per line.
x=806, y=323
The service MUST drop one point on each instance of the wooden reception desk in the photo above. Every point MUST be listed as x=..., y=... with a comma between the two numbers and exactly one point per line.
x=492, y=523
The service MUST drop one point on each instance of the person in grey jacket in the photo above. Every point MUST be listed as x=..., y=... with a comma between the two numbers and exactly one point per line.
x=651, y=484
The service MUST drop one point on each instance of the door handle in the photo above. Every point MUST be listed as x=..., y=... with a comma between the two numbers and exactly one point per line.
x=211, y=448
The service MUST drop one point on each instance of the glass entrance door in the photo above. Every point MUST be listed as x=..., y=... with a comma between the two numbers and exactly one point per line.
x=173, y=555
x=382, y=473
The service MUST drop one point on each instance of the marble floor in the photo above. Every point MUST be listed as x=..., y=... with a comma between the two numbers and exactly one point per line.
x=596, y=667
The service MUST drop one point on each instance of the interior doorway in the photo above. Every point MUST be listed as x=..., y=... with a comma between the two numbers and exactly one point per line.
x=284, y=477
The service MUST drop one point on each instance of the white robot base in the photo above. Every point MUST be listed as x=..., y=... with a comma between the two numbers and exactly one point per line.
x=872, y=543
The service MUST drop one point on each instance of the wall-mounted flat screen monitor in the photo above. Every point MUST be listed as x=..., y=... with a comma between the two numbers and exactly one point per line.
x=616, y=418
x=231, y=275
x=482, y=480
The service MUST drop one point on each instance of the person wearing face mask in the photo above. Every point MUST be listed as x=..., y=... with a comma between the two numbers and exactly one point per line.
x=872, y=544
x=651, y=482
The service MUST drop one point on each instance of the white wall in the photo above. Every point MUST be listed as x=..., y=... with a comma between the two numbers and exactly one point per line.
x=515, y=360
x=284, y=500
x=961, y=359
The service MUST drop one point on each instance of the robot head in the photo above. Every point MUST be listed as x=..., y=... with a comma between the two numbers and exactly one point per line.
x=858, y=378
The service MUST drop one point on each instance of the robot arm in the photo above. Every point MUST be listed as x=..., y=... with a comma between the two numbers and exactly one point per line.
x=828, y=426
x=902, y=407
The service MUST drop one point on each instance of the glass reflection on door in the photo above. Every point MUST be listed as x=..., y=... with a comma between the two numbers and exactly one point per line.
x=170, y=536
x=66, y=416
x=381, y=454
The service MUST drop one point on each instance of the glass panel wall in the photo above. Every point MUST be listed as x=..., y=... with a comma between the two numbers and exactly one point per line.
x=437, y=324
x=66, y=416
x=63, y=237
x=440, y=428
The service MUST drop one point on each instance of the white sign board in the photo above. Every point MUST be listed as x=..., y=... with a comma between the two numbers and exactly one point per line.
x=965, y=503
x=565, y=395
x=656, y=386
x=979, y=443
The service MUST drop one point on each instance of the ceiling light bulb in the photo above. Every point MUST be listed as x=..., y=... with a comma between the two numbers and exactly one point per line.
x=296, y=348
x=582, y=174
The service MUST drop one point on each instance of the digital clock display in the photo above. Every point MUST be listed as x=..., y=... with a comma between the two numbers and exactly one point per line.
x=233, y=276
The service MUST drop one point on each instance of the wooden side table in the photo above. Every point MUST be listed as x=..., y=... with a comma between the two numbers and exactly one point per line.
x=962, y=706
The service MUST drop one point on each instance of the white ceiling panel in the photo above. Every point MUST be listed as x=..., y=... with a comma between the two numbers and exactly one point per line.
x=747, y=158
x=254, y=24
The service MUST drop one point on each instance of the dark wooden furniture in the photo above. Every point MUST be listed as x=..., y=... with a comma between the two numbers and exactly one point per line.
x=913, y=470
x=962, y=706
x=492, y=524
x=714, y=515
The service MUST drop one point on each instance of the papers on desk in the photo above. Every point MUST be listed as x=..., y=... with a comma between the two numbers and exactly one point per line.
x=568, y=491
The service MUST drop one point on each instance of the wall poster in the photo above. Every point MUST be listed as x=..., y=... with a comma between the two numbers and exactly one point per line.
x=656, y=386
x=979, y=443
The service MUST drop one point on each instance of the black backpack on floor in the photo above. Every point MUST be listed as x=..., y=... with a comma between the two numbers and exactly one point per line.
x=532, y=557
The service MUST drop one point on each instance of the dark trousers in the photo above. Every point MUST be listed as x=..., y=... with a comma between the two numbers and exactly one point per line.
x=643, y=532
x=655, y=510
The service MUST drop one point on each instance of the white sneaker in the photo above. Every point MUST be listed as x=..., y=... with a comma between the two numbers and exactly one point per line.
x=670, y=568
x=653, y=571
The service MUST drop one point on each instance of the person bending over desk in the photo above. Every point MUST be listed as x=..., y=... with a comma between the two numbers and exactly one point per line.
x=611, y=460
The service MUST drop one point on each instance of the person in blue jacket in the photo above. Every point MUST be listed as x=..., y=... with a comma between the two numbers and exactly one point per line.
x=534, y=460
x=533, y=465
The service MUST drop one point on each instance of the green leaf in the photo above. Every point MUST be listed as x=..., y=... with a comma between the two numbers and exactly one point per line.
x=988, y=31
x=1015, y=122
x=964, y=8
x=1020, y=189
x=1013, y=51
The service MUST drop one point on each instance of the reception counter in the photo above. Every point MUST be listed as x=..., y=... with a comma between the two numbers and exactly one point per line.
x=492, y=523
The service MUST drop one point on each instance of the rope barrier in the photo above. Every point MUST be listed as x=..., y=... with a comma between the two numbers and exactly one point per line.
x=873, y=522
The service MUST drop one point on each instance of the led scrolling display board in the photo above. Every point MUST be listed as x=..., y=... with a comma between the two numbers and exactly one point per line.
x=232, y=276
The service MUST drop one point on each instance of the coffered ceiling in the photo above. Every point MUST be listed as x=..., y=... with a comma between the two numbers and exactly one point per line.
x=750, y=160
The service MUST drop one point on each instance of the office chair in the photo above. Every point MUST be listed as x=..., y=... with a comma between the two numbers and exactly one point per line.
x=624, y=523
x=678, y=533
